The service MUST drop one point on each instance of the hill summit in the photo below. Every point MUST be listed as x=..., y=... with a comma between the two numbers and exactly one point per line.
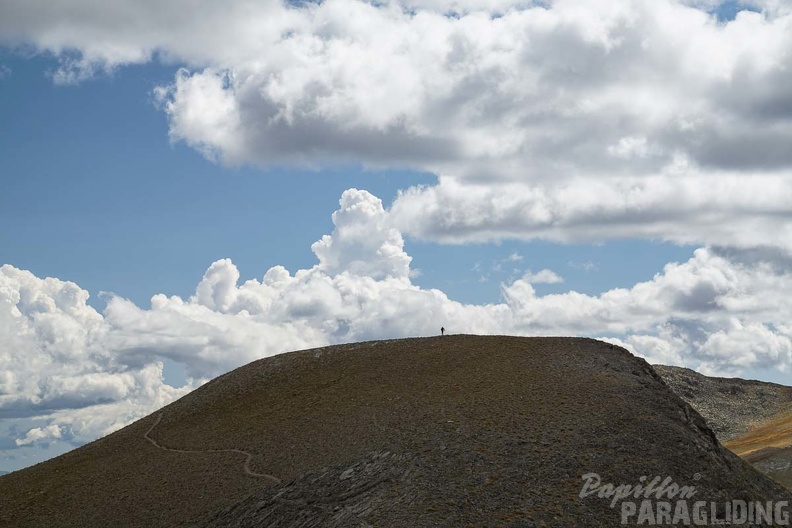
x=444, y=431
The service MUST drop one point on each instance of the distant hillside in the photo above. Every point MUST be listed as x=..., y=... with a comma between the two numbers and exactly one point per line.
x=730, y=405
x=445, y=431
x=752, y=418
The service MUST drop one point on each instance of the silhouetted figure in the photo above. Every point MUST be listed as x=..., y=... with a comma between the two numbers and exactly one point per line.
x=442, y=331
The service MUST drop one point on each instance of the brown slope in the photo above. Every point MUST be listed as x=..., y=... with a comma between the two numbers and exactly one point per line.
x=768, y=447
x=455, y=431
x=775, y=433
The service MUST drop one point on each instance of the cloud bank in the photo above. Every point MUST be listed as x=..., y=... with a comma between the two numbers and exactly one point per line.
x=80, y=374
x=561, y=120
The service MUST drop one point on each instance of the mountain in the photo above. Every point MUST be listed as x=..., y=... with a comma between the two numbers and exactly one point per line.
x=444, y=431
x=751, y=418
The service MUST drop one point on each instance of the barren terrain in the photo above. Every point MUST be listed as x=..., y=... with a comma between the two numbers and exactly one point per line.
x=751, y=418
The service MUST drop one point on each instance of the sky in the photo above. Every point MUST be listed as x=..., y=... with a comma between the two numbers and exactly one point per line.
x=189, y=186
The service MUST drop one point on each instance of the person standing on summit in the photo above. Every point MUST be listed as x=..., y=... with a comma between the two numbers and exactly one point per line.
x=442, y=330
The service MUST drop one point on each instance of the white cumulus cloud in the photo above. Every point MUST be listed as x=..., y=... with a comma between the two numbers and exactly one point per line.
x=560, y=120
x=55, y=364
x=40, y=434
x=545, y=276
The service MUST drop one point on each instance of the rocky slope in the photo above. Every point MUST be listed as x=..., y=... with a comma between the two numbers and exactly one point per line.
x=446, y=431
x=751, y=418
x=730, y=405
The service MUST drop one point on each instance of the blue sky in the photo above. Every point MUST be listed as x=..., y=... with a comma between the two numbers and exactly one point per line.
x=99, y=196
x=623, y=173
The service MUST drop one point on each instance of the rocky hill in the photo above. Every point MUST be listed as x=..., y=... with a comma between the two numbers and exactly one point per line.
x=446, y=431
x=751, y=418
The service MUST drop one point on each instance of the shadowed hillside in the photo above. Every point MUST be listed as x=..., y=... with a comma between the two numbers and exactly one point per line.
x=752, y=418
x=451, y=431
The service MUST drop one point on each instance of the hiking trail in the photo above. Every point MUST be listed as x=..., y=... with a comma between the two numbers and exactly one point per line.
x=245, y=467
